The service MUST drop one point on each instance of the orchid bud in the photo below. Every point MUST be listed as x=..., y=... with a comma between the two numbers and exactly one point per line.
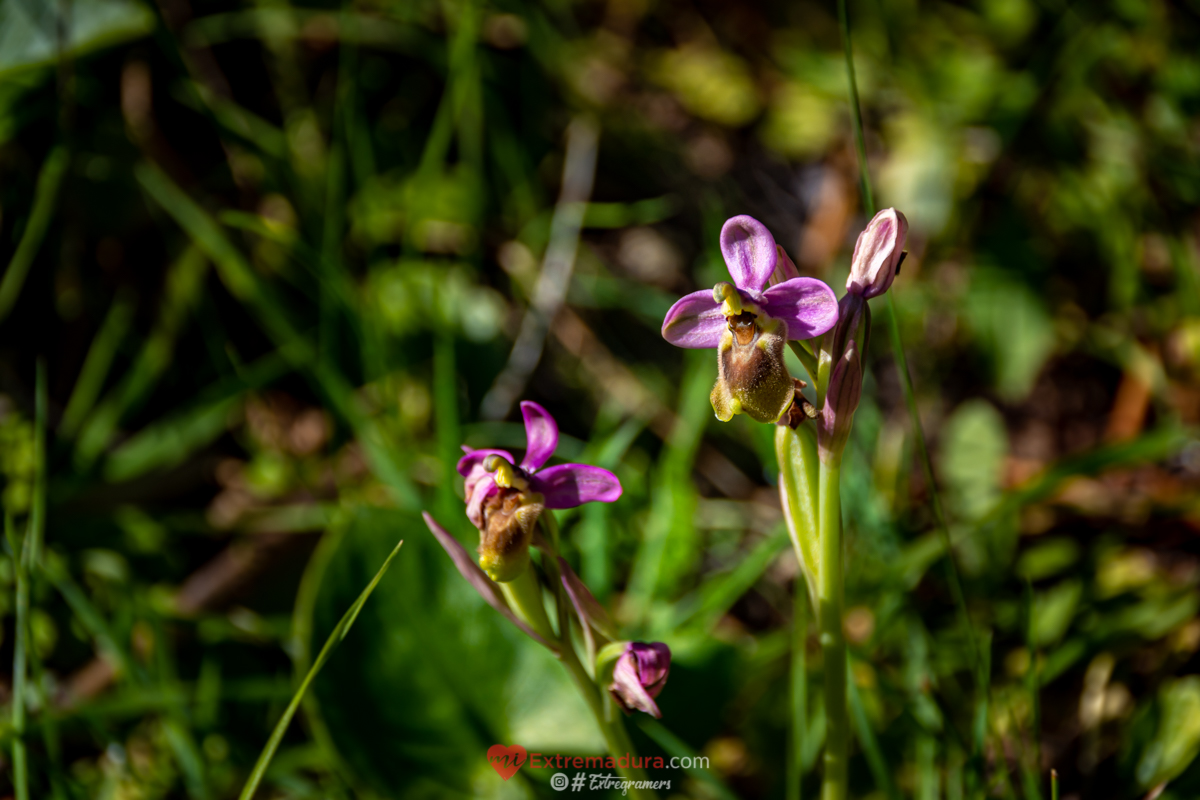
x=854, y=323
x=877, y=254
x=639, y=674
x=841, y=400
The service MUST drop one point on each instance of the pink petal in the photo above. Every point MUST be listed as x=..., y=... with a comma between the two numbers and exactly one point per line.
x=629, y=690
x=807, y=305
x=487, y=589
x=483, y=488
x=473, y=457
x=541, y=434
x=695, y=321
x=749, y=250
x=571, y=485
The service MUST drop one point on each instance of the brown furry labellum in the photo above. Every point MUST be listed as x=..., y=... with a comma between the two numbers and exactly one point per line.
x=509, y=519
x=752, y=378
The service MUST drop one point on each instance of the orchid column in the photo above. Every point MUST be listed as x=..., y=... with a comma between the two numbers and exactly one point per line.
x=748, y=323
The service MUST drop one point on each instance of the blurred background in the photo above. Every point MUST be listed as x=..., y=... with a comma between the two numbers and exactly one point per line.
x=280, y=260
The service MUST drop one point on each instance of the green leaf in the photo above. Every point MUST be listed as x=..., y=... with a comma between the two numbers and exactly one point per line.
x=1177, y=742
x=1048, y=558
x=44, y=200
x=1053, y=611
x=29, y=29
x=434, y=676
x=1012, y=326
x=974, y=444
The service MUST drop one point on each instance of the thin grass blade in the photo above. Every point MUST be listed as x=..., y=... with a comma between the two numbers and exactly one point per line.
x=335, y=637
x=798, y=687
x=20, y=774
x=49, y=181
x=674, y=746
x=96, y=365
x=870, y=745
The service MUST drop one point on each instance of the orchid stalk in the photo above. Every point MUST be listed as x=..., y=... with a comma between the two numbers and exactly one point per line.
x=509, y=503
x=748, y=322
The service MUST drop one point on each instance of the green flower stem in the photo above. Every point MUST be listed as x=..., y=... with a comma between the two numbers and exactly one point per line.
x=524, y=594
x=616, y=738
x=833, y=643
x=615, y=735
x=807, y=358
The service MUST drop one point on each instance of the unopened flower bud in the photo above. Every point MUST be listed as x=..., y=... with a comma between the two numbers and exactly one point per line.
x=841, y=400
x=854, y=324
x=639, y=675
x=877, y=254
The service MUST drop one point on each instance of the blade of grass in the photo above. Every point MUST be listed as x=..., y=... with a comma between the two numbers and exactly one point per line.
x=247, y=127
x=798, y=689
x=593, y=538
x=176, y=725
x=870, y=745
x=244, y=284
x=446, y=421
x=45, y=195
x=47, y=724
x=96, y=365
x=670, y=521
x=20, y=774
x=927, y=774
x=674, y=746
x=902, y=363
x=24, y=557
x=331, y=284
x=172, y=438
x=910, y=397
x=89, y=617
x=335, y=637
x=707, y=605
x=1031, y=763
x=37, y=518
x=856, y=111
x=183, y=284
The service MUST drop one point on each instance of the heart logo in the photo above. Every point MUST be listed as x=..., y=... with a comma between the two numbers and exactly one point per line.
x=506, y=760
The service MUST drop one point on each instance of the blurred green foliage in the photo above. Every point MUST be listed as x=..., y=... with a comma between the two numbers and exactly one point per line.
x=276, y=255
